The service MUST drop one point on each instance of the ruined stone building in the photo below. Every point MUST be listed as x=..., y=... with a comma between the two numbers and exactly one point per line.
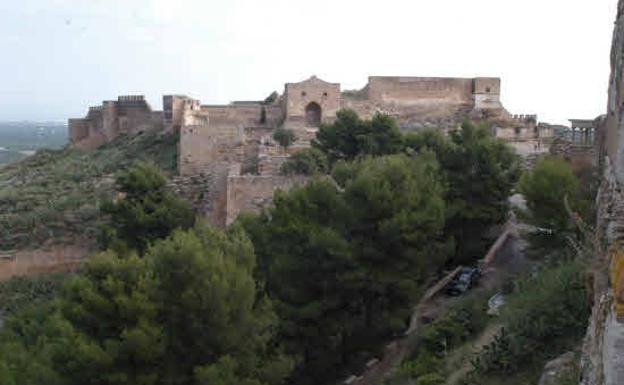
x=231, y=145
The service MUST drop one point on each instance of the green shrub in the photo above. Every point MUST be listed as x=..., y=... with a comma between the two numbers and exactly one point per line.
x=431, y=379
x=19, y=292
x=284, y=137
x=546, y=313
x=306, y=162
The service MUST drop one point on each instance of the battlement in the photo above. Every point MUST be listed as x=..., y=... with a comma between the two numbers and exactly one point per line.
x=524, y=117
x=131, y=98
x=414, y=101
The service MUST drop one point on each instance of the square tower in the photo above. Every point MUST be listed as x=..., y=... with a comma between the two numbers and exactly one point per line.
x=487, y=93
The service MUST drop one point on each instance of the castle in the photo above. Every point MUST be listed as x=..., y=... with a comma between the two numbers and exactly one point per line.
x=233, y=143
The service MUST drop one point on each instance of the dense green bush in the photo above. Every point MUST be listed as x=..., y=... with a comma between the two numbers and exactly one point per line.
x=345, y=261
x=453, y=328
x=546, y=313
x=187, y=313
x=545, y=187
x=349, y=136
x=19, y=292
x=147, y=211
x=285, y=137
x=310, y=161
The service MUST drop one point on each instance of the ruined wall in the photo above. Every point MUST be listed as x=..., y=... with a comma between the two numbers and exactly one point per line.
x=229, y=133
x=516, y=133
x=43, y=260
x=580, y=157
x=127, y=115
x=487, y=93
x=200, y=147
x=416, y=90
x=178, y=110
x=427, y=102
x=206, y=192
x=602, y=349
x=415, y=102
x=78, y=130
x=251, y=193
x=615, y=119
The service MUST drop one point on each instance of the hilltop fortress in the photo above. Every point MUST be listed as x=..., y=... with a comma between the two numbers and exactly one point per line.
x=231, y=145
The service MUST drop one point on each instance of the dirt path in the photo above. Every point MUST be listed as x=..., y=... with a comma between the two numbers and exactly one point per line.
x=484, y=339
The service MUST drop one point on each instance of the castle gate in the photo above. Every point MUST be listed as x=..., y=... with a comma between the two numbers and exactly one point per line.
x=313, y=115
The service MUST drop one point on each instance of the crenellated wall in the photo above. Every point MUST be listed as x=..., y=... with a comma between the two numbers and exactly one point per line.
x=230, y=149
x=414, y=101
x=127, y=115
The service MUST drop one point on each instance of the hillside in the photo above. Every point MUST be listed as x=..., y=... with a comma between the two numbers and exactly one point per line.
x=52, y=196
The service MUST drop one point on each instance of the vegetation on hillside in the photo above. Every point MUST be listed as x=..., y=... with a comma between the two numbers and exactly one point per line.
x=301, y=293
x=345, y=261
x=545, y=313
x=21, y=292
x=285, y=137
x=544, y=318
x=55, y=194
x=188, y=312
x=345, y=256
x=147, y=211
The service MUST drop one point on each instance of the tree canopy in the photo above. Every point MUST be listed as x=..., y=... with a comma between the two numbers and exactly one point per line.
x=480, y=172
x=344, y=258
x=310, y=161
x=145, y=211
x=349, y=136
x=188, y=312
x=545, y=187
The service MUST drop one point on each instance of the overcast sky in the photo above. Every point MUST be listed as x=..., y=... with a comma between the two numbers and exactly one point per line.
x=57, y=57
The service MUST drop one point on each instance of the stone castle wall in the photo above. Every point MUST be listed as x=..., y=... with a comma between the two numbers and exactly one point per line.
x=127, y=115
x=603, y=348
x=252, y=193
x=230, y=147
x=414, y=91
x=298, y=97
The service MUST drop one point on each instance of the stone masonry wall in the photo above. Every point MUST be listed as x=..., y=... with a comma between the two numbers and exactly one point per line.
x=202, y=146
x=251, y=193
x=603, y=348
x=416, y=90
x=127, y=115
x=298, y=96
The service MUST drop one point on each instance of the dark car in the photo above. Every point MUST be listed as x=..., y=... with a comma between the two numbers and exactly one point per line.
x=465, y=279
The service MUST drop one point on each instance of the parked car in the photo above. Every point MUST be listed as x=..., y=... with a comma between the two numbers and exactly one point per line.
x=543, y=231
x=495, y=303
x=465, y=279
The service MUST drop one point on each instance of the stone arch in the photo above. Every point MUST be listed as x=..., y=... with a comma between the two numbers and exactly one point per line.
x=313, y=114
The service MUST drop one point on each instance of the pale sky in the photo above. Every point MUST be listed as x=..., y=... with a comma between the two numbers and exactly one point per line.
x=57, y=57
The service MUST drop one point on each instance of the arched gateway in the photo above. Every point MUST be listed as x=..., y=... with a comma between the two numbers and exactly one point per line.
x=313, y=115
